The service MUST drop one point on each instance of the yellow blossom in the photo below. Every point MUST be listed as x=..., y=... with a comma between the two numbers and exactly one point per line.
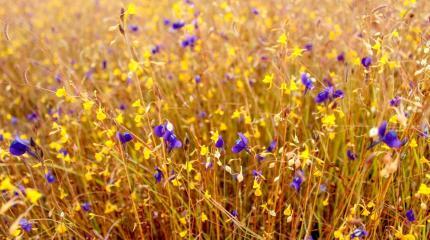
x=204, y=150
x=61, y=92
x=110, y=208
x=413, y=143
x=33, y=195
x=282, y=39
x=87, y=105
x=146, y=153
x=61, y=228
x=101, y=115
x=424, y=190
x=329, y=120
x=204, y=217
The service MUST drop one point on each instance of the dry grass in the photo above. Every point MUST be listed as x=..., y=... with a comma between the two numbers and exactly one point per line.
x=83, y=72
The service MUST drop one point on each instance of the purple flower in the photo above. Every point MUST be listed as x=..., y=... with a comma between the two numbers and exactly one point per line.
x=366, y=62
x=309, y=47
x=122, y=107
x=58, y=78
x=172, y=141
x=306, y=80
x=14, y=120
x=25, y=225
x=240, y=144
x=323, y=188
x=390, y=138
x=160, y=130
x=155, y=49
x=425, y=131
x=297, y=180
x=198, y=79
x=169, y=137
x=272, y=146
x=341, y=57
x=328, y=94
x=166, y=22
x=202, y=114
x=124, y=137
x=178, y=25
x=323, y=95
x=104, y=64
x=296, y=183
x=220, y=142
x=410, y=215
x=189, y=41
x=32, y=117
x=338, y=94
x=50, y=177
x=359, y=233
x=257, y=173
x=19, y=146
x=255, y=11
x=63, y=151
x=133, y=28
x=86, y=206
x=351, y=155
x=395, y=102
x=234, y=213
x=158, y=175
x=260, y=157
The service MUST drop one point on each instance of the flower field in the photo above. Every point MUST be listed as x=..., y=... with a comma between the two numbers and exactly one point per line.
x=193, y=119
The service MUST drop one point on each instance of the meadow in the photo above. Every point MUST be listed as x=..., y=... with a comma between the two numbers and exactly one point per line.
x=196, y=119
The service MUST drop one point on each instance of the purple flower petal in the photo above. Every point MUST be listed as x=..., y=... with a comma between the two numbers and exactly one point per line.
x=322, y=96
x=19, y=146
x=220, y=142
x=392, y=140
x=382, y=128
x=160, y=130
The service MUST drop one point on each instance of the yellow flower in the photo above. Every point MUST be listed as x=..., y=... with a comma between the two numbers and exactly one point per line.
x=207, y=194
x=198, y=177
x=61, y=92
x=288, y=211
x=258, y=192
x=268, y=79
x=101, y=115
x=325, y=202
x=6, y=185
x=119, y=119
x=297, y=52
x=61, y=228
x=329, y=120
x=424, y=189
x=183, y=233
x=204, y=150
x=146, y=153
x=110, y=207
x=282, y=39
x=413, y=143
x=338, y=234
x=215, y=136
x=133, y=66
x=87, y=105
x=131, y=9
x=183, y=220
x=236, y=114
x=365, y=212
x=188, y=166
x=33, y=195
x=204, y=217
